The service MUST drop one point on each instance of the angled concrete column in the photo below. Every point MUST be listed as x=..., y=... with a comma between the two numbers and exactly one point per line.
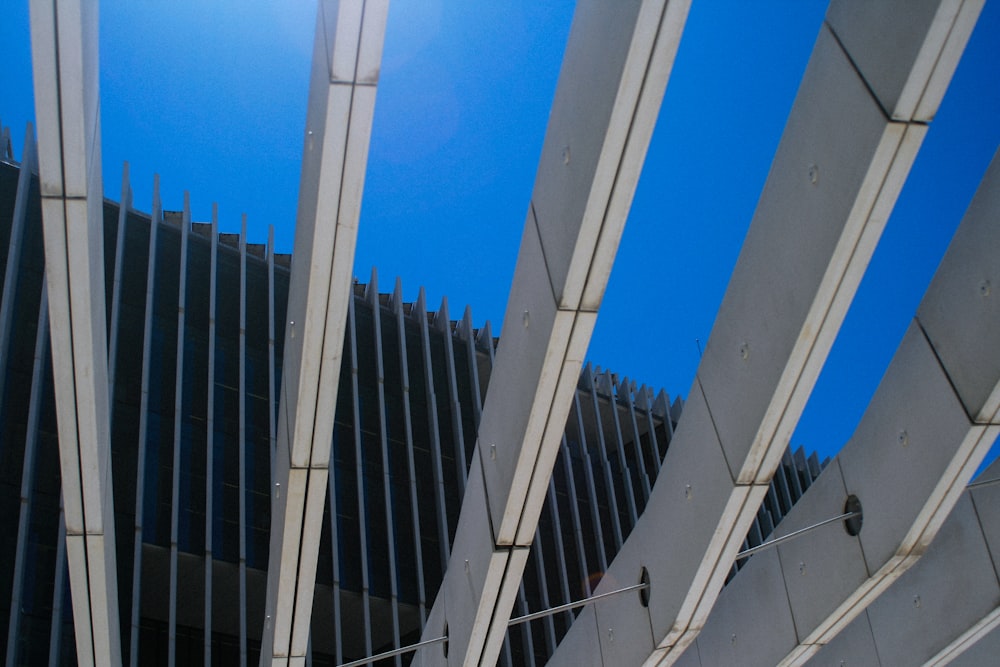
x=841, y=163
x=946, y=607
x=64, y=44
x=926, y=430
x=943, y=609
x=614, y=73
x=347, y=55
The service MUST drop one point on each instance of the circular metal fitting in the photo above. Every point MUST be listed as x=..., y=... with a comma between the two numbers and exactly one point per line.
x=852, y=524
x=644, y=592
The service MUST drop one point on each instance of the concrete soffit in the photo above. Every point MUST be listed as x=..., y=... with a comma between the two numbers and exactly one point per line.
x=614, y=73
x=926, y=430
x=347, y=57
x=844, y=156
x=64, y=42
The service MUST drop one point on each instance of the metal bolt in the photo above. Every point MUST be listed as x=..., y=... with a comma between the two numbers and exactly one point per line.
x=916, y=601
x=611, y=634
x=744, y=350
x=687, y=491
x=813, y=174
x=732, y=640
x=467, y=565
x=802, y=569
x=904, y=438
x=493, y=452
x=985, y=288
x=277, y=490
x=526, y=317
x=565, y=155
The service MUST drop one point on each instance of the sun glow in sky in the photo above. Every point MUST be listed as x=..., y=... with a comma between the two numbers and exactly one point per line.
x=211, y=95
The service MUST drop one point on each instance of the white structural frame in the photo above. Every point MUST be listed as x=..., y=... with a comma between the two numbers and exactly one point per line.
x=925, y=432
x=618, y=59
x=64, y=44
x=917, y=620
x=347, y=56
x=875, y=80
x=846, y=151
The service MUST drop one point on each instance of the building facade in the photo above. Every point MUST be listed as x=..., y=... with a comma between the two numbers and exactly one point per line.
x=196, y=330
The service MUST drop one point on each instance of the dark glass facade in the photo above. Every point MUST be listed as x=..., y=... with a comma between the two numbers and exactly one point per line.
x=195, y=334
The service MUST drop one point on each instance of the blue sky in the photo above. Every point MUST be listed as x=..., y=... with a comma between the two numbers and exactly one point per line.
x=211, y=95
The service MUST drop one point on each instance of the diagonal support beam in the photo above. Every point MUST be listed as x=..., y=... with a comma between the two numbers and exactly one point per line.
x=64, y=44
x=347, y=57
x=617, y=62
x=979, y=641
x=944, y=608
x=928, y=427
x=844, y=156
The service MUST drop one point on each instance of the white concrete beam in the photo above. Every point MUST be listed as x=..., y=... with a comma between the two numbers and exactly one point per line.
x=64, y=43
x=836, y=175
x=908, y=462
x=936, y=612
x=907, y=76
x=976, y=646
x=614, y=74
x=946, y=607
x=347, y=56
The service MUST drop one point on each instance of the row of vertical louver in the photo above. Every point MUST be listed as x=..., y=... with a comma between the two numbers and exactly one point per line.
x=195, y=337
